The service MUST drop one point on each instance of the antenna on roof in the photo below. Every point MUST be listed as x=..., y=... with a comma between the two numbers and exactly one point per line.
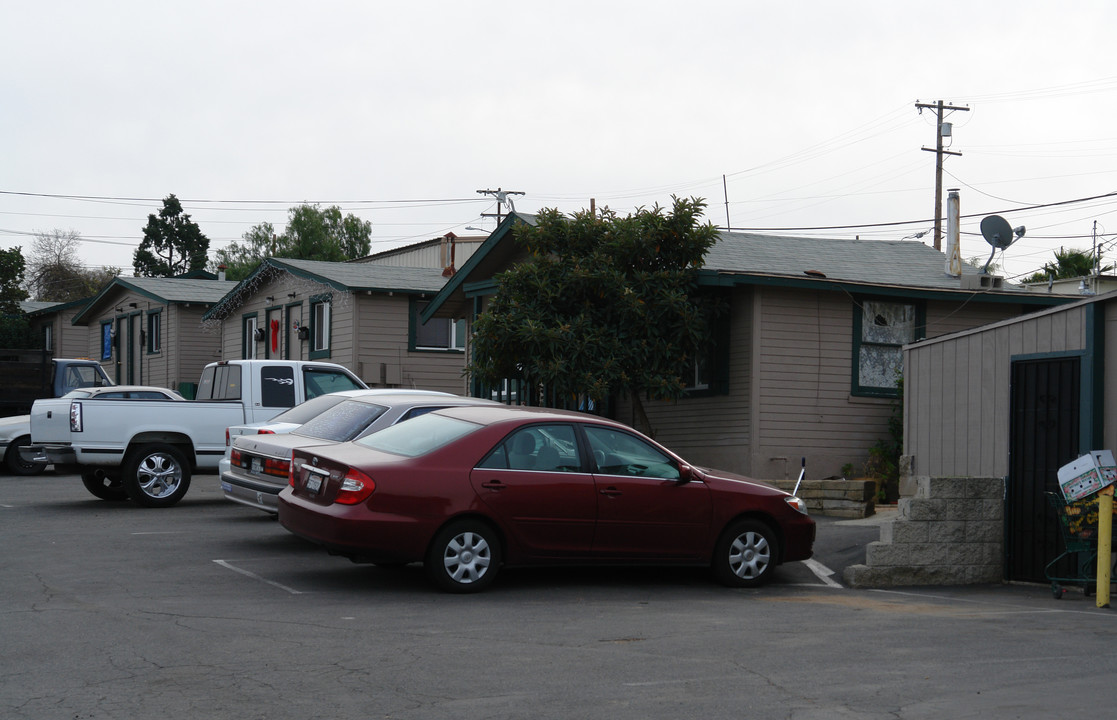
x=999, y=234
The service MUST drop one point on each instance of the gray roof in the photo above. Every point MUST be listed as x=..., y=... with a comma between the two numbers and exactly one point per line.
x=30, y=306
x=180, y=290
x=166, y=290
x=366, y=276
x=876, y=262
x=344, y=276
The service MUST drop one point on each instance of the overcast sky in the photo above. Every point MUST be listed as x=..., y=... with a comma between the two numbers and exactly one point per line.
x=400, y=112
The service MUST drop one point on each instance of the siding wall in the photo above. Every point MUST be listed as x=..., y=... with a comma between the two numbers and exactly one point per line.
x=956, y=409
x=711, y=431
x=366, y=333
x=186, y=347
x=277, y=288
x=383, y=358
x=804, y=408
x=70, y=341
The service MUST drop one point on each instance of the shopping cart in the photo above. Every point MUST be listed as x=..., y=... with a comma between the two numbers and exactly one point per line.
x=1078, y=523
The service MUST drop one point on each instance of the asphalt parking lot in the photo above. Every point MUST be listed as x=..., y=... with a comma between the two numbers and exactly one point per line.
x=212, y=610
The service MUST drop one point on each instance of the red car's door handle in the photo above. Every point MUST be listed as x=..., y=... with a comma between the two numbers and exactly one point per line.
x=611, y=491
x=493, y=485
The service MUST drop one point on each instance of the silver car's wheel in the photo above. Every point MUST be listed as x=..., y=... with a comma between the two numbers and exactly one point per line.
x=747, y=554
x=464, y=557
x=156, y=475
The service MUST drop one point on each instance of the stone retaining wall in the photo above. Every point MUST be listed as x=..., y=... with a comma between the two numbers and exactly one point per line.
x=835, y=497
x=950, y=533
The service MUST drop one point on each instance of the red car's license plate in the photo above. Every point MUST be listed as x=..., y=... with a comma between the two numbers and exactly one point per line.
x=313, y=482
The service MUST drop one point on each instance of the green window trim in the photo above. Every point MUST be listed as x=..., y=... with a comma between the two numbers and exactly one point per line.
x=321, y=326
x=885, y=350
x=154, y=331
x=249, y=323
x=421, y=338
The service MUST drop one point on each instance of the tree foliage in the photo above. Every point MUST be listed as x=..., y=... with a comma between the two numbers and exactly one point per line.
x=1068, y=264
x=13, y=326
x=173, y=244
x=602, y=305
x=312, y=234
x=55, y=272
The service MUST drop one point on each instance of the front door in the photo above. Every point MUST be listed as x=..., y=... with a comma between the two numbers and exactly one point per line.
x=1043, y=436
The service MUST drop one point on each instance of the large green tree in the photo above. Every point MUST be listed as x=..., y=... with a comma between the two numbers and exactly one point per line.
x=13, y=325
x=173, y=244
x=55, y=272
x=603, y=305
x=312, y=233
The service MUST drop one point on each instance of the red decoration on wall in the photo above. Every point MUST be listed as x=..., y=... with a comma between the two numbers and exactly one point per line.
x=275, y=336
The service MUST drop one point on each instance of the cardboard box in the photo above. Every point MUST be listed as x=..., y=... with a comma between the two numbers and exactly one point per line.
x=1087, y=475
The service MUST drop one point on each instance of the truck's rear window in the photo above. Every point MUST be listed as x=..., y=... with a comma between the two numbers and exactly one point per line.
x=220, y=382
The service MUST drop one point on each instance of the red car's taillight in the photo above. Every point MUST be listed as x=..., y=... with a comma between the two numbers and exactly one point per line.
x=355, y=488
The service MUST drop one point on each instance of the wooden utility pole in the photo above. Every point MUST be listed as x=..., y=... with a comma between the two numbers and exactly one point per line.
x=502, y=197
x=939, y=107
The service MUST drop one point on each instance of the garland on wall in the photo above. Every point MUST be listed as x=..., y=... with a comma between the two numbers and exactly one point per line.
x=253, y=286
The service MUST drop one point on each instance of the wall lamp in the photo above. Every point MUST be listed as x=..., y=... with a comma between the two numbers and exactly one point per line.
x=270, y=298
x=292, y=295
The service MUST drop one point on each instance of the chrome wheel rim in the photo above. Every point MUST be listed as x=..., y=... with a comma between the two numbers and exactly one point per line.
x=467, y=558
x=749, y=555
x=159, y=475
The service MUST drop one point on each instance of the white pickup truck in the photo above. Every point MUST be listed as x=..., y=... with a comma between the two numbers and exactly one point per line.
x=147, y=450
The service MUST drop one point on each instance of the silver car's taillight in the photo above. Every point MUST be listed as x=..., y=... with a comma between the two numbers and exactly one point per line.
x=75, y=417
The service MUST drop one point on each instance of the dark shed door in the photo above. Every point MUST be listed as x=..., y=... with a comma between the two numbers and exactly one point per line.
x=1044, y=437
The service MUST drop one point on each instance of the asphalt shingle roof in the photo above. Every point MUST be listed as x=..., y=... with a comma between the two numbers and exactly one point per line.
x=876, y=262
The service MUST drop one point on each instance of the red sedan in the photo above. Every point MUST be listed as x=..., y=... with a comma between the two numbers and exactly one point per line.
x=467, y=490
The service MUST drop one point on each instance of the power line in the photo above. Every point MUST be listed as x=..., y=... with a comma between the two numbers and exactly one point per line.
x=919, y=222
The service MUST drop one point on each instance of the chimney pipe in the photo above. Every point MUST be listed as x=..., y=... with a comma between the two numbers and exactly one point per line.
x=953, y=248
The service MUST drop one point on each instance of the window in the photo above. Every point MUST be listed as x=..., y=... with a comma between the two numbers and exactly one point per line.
x=880, y=329
x=419, y=436
x=342, y=422
x=320, y=326
x=48, y=337
x=248, y=336
x=154, y=332
x=540, y=448
x=219, y=382
x=277, y=386
x=106, y=340
x=437, y=333
x=322, y=381
x=618, y=453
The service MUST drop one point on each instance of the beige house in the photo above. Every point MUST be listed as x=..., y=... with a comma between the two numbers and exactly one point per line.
x=807, y=361
x=363, y=315
x=149, y=331
x=52, y=323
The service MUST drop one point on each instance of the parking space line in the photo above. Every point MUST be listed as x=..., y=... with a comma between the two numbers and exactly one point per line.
x=226, y=564
x=822, y=572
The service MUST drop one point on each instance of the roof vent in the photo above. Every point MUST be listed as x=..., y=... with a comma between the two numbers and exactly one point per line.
x=815, y=273
x=982, y=282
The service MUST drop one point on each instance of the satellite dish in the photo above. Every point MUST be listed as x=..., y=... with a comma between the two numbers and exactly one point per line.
x=999, y=234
